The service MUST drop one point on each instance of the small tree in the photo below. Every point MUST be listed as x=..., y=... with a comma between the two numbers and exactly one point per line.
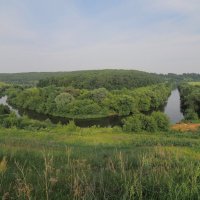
x=149, y=124
x=132, y=123
x=190, y=114
x=62, y=100
x=4, y=110
x=162, y=121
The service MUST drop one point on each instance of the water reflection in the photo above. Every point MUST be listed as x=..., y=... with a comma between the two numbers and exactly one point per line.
x=173, y=107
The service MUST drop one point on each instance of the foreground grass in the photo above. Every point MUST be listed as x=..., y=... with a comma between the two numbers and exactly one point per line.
x=98, y=163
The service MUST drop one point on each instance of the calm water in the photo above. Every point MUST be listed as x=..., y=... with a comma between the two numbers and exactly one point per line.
x=173, y=107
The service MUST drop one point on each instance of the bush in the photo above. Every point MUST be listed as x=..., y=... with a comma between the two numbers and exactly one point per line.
x=162, y=121
x=149, y=124
x=71, y=127
x=191, y=115
x=132, y=124
x=140, y=122
x=4, y=110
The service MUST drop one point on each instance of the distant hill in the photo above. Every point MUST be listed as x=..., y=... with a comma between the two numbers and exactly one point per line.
x=30, y=78
x=91, y=79
x=109, y=79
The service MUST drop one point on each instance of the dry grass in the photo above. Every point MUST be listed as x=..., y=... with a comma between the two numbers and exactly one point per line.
x=185, y=127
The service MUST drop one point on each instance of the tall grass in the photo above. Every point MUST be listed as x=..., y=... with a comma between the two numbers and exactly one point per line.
x=98, y=163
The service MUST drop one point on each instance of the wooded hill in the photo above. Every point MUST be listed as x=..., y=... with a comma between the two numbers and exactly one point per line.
x=93, y=79
x=109, y=79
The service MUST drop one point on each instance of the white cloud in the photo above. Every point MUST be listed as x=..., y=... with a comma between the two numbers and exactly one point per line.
x=78, y=42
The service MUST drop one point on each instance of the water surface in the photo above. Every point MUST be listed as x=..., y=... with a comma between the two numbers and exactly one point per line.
x=3, y=101
x=173, y=107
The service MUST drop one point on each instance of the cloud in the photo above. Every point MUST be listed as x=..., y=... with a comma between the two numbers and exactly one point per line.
x=153, y=35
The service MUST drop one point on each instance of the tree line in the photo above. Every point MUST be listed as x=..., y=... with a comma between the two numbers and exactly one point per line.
x=190, y=100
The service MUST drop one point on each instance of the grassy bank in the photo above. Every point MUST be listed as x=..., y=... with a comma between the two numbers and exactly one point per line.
x=98, y=163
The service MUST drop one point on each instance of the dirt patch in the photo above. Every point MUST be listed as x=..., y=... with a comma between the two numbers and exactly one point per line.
x=186, y=127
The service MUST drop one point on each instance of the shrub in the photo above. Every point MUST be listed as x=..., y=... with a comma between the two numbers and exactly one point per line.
x=4, y=109
x=149, y=124
x=191, y=115
x=132, y=123
x=162, y=121
x=71, y=127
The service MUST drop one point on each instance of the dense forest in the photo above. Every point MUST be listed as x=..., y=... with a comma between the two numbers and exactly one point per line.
x=110, y=79
x=92, y=79
x=82, y=103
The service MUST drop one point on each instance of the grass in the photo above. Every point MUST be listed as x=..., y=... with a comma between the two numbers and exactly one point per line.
x=98, y=163
x=194, y=83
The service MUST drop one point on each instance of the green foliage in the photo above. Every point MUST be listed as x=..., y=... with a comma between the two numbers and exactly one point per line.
x=11, y=120
x=76, y=103
x=162, y=121
x=4, y=109
x=124, y=105
x=149, y=124
x=71, y=127
x=190, y=100
x=109, y=79
x=62, y=101
x=190, y=114
x=157, y=121
x=133, y=124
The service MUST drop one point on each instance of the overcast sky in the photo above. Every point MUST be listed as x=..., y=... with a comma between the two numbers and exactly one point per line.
x=64, y=35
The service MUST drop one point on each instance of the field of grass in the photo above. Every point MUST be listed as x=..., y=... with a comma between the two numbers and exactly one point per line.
x=98, y=163
x=194, y=83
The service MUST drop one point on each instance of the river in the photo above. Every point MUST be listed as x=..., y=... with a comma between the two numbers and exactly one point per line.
x=3, y=100
x=173, y=107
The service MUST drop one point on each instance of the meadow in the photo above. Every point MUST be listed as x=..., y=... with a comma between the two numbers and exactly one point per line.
x=67, y=162
x=194, y=83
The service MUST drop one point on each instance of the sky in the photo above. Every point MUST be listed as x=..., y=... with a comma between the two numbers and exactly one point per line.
x=161, y=36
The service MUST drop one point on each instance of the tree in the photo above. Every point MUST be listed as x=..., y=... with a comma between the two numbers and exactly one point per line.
x=162, y=121
x=148, y=123
x=98, y=95
x=190, y=114
x=4, y=109
x=124, y=105
x=62, y=101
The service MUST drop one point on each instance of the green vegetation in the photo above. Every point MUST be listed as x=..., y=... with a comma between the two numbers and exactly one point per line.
x=92, y=79
x=194, y=83
x=157, y=121
x=109, y=79
x=76, y=103
x=67, y=162
x=143, y=159
x=4, y=109
x=190, y=100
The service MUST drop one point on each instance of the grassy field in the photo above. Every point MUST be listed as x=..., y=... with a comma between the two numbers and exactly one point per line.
x=194, y=83
x=98, y=163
